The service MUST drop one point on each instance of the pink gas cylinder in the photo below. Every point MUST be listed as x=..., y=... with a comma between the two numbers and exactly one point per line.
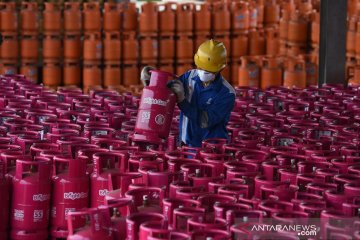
x=146, y=199
x=119, y=184
x=156, y=109
x=4, y=207
x=170, y=204
x=214, y=234
x=136, y=219
x=182, y=214
x=70, y=192
x=105, y=163
x=153, y=229
x=31, y=196
x=97, y=227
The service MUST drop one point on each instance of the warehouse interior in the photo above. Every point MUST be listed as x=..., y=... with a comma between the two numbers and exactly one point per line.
x=180, y=120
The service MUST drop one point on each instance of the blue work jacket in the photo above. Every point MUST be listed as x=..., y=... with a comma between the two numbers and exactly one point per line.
x=205, y=111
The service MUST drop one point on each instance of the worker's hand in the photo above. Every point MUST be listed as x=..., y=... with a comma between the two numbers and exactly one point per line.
x=145, y=75
x=178, y=88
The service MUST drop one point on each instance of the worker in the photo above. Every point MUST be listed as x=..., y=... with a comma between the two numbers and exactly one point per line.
x=204, y=97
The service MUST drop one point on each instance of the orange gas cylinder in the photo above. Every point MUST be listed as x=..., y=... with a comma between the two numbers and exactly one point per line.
x=183, y=66
x=235, y=64
x=71, y=73
x=29, y=16
x=112, y=74
x=357, y=41
x=239, y=45
x=240, y=16
x=130, y=74
x=9, y=66
x=9, y=17
x=353, y=7
x=51, y=73
x=253, y=15
x=351, y=37
x=167, y=47
x=184, y=47
x=167, y=65
x=271, y=73
x=202, y=18
x=10, y=46
x=112, y=46
x=72, y=17
x=200, y=38
x=226, y=72
x=92, y=47
x=283, y=47
x=129, y=21
x=256, y=42
x=167, y=18
x=284, y=25
x=271, y=13
x=185, y=18
x=288, y=5
x=350, y=66
x=298, y=29
x=295, y=50
x=221, y=17
x=355, y=80
x=29, y=46
x=52, y=17
x=260, y=12
x=148, y=21
x=272, y=42
x=149, y=47
x=72, y=46
x=294, y=73
x=91, y=17
x=315, y=28
x=312, y=73
x=248, y=72
x=30, y=70
x=112, y=16
x=224, y=38
x=305, y=7
x=130, y=47
x=52, y=46
x=91, y=74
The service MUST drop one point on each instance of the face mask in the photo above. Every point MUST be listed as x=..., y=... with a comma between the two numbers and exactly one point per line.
x=205, y=76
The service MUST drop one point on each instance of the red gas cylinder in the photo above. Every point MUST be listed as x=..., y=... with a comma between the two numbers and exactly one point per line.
x=256, y=42
x=156, y=109
x=52, y=17
x=70, y=191
x=31, y=196
x=130, y=15
x=99, y=225
x=221, y=17
x=9, y=17
x=202, y=18
x=249, y=72
x=105, y=163
x=271, y=13
x=72, y=17
x=4, y=207
x=112, y=16
x=271, y=73
x=92, y=16
x=167, y=18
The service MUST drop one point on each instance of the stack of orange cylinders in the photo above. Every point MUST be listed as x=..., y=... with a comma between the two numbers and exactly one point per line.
x=185, y=13
x=202, y=25
x=271, y=13
x=9, y=27
x=72, y=43
x=271, y=73
x=294, y=73
x=92, y=45
x=149, y=29
x=52, y=44
x=167, y=27
x=248, y=72
x=112, y=58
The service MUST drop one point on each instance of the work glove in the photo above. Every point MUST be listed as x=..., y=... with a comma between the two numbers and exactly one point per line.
x=177, y=88
x=145, y=75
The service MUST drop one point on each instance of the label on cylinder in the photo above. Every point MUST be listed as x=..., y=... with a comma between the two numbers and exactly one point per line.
x=38, y=215
x=18, y=215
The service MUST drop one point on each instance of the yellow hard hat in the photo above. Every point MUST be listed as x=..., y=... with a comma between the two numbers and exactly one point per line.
x=211, y=56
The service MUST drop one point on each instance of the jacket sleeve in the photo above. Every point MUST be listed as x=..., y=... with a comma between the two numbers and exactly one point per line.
x=212, y=114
